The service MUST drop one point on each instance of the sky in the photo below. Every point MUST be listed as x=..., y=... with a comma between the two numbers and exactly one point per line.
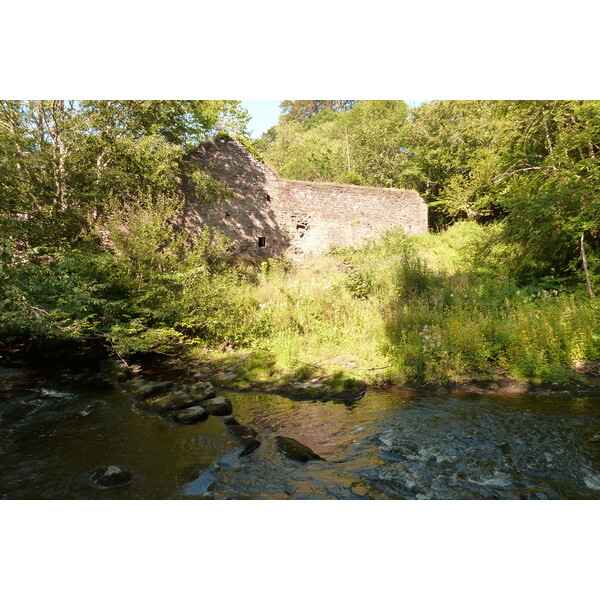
x=265, y=114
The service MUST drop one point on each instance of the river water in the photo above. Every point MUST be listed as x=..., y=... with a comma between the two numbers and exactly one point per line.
x=56, y=428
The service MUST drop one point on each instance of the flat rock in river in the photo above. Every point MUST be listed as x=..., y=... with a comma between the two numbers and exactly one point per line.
x=245, y=434
x=150, y=388
x=190, y=415
x=250, y=445
x=295, y=450
x=202, y=390
x=110, y=477
x=218, y=406
x=176, y=400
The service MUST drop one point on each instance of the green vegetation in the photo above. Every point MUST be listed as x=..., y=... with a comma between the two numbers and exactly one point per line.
x=532, y=165
x=90, y=250
x=425, y=309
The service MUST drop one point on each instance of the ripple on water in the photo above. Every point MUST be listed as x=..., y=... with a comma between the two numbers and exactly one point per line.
x=385, y=445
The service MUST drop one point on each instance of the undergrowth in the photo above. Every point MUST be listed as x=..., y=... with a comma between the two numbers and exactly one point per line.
x=432, y=308
x=439, y=307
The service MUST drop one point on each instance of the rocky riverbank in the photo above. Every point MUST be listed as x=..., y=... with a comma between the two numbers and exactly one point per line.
x=232, y=374
x=181, y=397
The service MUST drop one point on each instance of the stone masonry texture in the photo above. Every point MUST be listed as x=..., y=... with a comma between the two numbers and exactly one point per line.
x=270, y=217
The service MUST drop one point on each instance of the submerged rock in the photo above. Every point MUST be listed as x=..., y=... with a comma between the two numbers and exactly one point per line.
x=218, y=406
x=176, y=400
x=245, y=434
x=295, y=450
x=89, y=408
x=250, y=445
x=190, y=415
x=237, y=429
x=110, y=477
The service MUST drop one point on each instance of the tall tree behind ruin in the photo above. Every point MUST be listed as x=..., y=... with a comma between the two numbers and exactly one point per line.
x=302, y=110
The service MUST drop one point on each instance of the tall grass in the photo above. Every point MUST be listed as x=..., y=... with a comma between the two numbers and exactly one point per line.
x=429, y=308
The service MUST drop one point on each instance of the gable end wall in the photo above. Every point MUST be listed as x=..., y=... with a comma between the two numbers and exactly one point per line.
x=296, y=218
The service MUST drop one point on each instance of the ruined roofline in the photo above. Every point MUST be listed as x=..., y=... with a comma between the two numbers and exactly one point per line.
x=229, y=139
x=214, y=143
x=351, y=185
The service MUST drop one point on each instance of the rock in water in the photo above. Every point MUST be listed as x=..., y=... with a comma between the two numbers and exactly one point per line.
x=245, y=434
x=151, y=388
x=176, y=400
x=294, y=450
x=110, y=477
x=202, y=391
x=218, y=406
x=250, y=445
x=190, y=415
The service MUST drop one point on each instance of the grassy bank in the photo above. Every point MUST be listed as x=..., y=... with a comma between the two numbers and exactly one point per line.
x=434, y=308
x=447, y=308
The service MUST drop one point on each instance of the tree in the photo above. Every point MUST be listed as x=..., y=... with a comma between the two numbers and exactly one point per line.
x=551, y=182
x=60, y=161
x=361, y=145
x=375, y=136
x=302, y=110
x=454, y=156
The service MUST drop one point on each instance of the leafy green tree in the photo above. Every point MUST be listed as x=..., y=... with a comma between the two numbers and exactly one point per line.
x=454, y=156
x=550, y=184
x=88, y=198
x=375, y=135
x=362, y=145
x=60, y=161
x=303, y=110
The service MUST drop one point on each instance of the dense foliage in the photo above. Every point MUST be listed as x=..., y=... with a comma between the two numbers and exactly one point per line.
x=89, y=194
x=90, y=249
x=425, y=308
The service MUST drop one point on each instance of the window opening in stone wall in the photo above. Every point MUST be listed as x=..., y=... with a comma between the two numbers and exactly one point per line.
x=301, y=222
x=302, y=225
x=262, y=242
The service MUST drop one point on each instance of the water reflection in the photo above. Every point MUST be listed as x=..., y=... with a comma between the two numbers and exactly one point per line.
x=56, y=429
x=329, y=428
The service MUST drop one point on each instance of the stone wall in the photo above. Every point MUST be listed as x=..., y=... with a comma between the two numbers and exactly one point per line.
x=272, y=217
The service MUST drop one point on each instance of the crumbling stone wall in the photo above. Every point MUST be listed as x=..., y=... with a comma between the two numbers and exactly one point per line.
x=272, y=217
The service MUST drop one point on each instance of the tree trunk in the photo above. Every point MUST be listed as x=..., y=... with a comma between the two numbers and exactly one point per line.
x=347, y=149
x=585, y=268
x=57, y=114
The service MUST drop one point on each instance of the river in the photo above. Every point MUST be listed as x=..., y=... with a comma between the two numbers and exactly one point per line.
x=56, y=428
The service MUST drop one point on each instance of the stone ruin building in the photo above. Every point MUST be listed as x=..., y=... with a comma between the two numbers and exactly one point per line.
x=270, y=217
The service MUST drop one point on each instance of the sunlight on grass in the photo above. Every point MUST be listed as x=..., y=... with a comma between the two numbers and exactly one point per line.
x=430, y=308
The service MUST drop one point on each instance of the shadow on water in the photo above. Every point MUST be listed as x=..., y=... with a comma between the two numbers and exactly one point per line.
x=56, y=429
